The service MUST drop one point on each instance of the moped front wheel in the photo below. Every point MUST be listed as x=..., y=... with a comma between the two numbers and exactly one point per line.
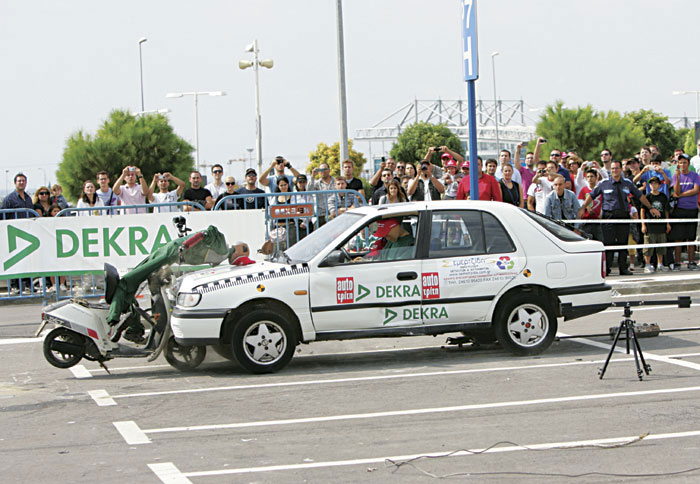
x=63, y=348
x=184, y=358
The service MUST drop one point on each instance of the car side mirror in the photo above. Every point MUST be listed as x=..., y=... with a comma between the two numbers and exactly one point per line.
x=335, y=258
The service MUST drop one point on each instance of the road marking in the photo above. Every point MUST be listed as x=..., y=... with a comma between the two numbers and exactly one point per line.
x=102, y=398
x=79, y=371
x=168, y=473
x=461, y=453
x=15, y=341
x=353, y=379
x=647, y=356
x=420, y=411
x=124, y=368
x=131, y=432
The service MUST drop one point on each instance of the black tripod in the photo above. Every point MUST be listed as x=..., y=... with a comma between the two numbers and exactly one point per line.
x=628, y=325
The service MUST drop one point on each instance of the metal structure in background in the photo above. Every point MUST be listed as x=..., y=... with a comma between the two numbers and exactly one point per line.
x=515, y=120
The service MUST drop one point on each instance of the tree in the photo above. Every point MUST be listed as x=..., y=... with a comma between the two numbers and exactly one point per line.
x=331, y=155
x=587, y=131
x=124, y=140
x=687, y=141
x=657, y=131
x=414, y=141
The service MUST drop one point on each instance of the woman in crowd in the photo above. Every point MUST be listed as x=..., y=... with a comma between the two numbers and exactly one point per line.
x=42, y=202
x=510, y=190
x=410, y=170
x=393, y=195
x=231, y=187
x=89, y=199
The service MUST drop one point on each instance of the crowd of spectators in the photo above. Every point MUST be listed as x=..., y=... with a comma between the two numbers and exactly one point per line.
x=564, y=187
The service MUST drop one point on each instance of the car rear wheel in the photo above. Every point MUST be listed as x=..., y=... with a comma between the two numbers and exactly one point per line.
x=525, y=324
x=263, y=341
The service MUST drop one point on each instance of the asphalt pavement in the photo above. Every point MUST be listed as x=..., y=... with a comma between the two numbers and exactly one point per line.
x=384, y=410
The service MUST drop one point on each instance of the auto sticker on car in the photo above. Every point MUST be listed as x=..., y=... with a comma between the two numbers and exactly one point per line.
x=431, y=285
x=477, y=269
x=344, y=290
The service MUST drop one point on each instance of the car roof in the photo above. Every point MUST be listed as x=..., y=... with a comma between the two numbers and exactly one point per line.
x=489, y=206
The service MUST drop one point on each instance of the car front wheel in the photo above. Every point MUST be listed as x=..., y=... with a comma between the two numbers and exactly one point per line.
x=525, y=325
x=263, y=341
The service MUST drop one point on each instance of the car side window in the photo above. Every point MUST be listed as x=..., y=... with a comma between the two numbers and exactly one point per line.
x=497, y=239
x=456, y=233
x=467, y=232
x=383, y=240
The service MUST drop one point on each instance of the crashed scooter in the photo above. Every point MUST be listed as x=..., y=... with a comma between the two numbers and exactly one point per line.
x=93, y=330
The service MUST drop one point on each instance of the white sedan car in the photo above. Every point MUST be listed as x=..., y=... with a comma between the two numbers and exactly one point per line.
x=486, y=269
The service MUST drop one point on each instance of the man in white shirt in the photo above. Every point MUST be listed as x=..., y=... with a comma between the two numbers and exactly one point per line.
x=217, y=187
x=541, y=186
x=163, y=195
x=132, y=193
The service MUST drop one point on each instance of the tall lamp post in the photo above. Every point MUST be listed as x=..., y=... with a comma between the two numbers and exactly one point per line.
x=196, y=95
x=697, y=101
x=250, y=156
x=141, y=41
x=244, y=64
x=495, y=102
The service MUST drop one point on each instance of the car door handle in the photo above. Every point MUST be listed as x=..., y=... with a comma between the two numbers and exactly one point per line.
x=406, y=276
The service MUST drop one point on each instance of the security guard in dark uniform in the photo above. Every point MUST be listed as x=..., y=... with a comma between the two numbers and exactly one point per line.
x=616, y=191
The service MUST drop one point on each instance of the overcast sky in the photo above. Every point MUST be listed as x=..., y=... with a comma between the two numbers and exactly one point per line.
x=66, y=64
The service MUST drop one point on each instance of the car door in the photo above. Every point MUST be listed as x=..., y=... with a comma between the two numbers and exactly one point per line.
x=369, y=292
x=471, y=258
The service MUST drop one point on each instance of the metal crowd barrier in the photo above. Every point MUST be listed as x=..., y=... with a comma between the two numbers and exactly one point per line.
x=26, y=213
x=287, y=223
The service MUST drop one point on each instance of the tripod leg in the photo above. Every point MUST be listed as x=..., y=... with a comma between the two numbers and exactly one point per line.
x=647, y=368
x=634, y=350
x=601, y=372
x=627, y=335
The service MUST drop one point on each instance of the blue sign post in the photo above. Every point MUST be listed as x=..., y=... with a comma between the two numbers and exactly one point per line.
x=471, y=74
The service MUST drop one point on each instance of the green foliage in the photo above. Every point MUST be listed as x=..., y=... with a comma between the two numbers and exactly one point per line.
x=147, y=142
x=657, y=131
x=687, y=140
x=587, y=131
x=331, y=155
x=413, y=143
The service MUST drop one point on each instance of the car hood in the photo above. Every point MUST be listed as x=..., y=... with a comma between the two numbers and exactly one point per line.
x=227, y=274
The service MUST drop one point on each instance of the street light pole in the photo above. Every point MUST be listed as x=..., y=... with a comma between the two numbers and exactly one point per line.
x=267, y=63
x=141, y=41
x=196, y=95
x=344, y=151
x=495, y=101
x=697, y=101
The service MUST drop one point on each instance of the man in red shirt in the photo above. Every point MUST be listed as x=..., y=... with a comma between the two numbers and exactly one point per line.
x=489, y=189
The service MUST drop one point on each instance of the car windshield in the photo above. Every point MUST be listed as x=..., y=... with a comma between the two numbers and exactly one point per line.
x=321, y=238
x=559, y=229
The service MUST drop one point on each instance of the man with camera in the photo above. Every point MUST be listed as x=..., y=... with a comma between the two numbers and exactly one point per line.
x=377, y=180
x=325, y=182
x=163, y=195
x=278, y=165
x=132, y=193
x=425, y=186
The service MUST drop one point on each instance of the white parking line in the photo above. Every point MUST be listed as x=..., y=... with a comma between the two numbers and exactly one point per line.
x=168, y=473
x=131, y=432
x=168, y=469
x=16, y=341
x=101, y=397
x=79, y=371
x=647, y=356
x=352, y=379
x=135, y=435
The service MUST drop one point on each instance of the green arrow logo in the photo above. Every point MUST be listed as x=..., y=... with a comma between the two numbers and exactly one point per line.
x=362, y=292
x=389, y=316
x=13, y=234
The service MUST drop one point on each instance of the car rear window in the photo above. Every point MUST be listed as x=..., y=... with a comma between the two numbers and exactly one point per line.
x=558, y=229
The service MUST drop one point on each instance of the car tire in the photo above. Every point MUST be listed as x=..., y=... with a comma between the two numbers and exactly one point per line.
x=184, y=358
x=525, y=324
x=263, y=341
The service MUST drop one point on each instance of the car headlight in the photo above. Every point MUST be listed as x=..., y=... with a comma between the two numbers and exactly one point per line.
x=188, y=299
